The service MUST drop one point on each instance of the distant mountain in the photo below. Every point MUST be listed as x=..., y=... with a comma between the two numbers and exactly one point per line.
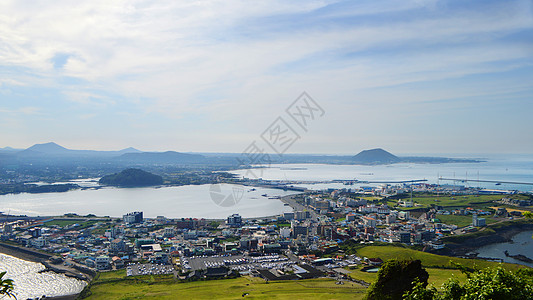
x=129, y=150
x=162, y=157
x=54, y=150
x=48, y=148
x=375, y=156
x=132, y=178
x=9, y=149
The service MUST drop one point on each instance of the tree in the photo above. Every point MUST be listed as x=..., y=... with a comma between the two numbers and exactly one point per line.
x=419, y=292
x=6, y=286
x=396, y=277
x=490, y=283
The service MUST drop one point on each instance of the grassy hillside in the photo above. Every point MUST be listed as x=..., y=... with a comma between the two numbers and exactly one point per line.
x=113, y=285
x=439, y=267
x=436, y=276
x=428, y=259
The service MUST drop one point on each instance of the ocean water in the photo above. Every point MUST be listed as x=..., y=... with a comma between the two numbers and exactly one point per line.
x=29, y=283
x=516, y=168
x=201, y=201
x=522, y=243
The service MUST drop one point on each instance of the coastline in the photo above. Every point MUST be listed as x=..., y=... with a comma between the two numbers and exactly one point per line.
x=42, y=258
x=497, y=233
x=24, y=254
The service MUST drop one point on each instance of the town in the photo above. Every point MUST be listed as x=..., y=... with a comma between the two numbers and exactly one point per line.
x=306, y=243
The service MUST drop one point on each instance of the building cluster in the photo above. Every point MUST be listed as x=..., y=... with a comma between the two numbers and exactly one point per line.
x=515, y=202
x=291, y=242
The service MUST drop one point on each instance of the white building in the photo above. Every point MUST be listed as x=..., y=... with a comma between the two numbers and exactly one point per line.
x=369, y=221
x=478, y=222
x=404, y=215
x=390, y=219
x=285, y=232
x=102, y=262
x=39, y=242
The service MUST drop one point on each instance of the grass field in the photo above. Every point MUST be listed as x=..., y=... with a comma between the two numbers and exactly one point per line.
x=462, y=221
x=436, y=276
x=428, y=259
x=457, y=239
x=63, y=223
x=475, y=201
x=439, y=267
x=111, y=285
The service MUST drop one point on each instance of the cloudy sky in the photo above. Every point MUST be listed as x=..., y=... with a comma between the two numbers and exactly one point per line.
x=212, y=76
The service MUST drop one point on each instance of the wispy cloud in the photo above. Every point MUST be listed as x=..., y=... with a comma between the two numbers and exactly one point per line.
x=223, y=62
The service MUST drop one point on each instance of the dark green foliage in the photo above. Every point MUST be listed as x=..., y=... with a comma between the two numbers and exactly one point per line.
x=396, y=277
x=351, y=246
x=419, y=292
x=6, y=286
x=132, y=178
x=34, y=189
x=490, y=283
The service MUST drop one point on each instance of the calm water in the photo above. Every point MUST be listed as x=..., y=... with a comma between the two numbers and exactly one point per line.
x=171, y=202
x=515, y=168
x=31, y=284
x=522, y=244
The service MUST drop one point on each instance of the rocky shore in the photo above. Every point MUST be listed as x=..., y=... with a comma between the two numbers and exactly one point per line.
x=498, y=233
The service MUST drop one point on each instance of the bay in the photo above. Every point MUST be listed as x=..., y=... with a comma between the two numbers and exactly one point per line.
x=171, y=202
x=522, y=243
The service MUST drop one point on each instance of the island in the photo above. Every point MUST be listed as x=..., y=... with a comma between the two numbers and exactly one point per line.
x=132, y=178
x=379, y=156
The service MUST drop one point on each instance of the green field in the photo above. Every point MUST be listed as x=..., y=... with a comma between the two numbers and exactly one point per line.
x=492, y=229
x=439, y=267
x=63, y=223
x=113, y=285
x=462, y=221
x=449, y=201
x=428, y=259
x=436, y=276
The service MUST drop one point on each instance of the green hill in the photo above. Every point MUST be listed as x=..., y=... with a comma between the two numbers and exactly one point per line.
x=132, y=178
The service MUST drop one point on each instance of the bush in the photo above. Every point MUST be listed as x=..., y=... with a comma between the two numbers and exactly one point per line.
x=490, y=283
x=395, y=278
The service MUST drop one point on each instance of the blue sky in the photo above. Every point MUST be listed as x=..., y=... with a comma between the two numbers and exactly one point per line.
x=211, y=76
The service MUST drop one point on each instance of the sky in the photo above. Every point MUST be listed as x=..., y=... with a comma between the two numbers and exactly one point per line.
x=215, y=76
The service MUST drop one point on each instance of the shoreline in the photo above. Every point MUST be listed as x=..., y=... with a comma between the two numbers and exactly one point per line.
x=463, y=244
x=42, y=258
x=24, y=254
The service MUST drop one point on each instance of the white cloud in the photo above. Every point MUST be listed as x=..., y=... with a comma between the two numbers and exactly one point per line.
x=212, y=58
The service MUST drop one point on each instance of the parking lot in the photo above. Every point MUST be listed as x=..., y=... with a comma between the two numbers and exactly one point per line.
x=148, y=269
x=236, y=262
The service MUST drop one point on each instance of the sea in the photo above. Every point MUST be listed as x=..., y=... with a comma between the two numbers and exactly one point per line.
x=29, y=283
x=498, y=168
x=199, y=201
x=521, y=243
